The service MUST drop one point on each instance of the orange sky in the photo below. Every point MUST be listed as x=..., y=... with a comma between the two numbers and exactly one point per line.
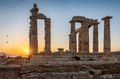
x=14, y=22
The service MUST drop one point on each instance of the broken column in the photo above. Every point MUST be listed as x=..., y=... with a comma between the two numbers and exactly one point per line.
x=47, y=48
x=107, y=45
x=33, y=31
x=72, y=38
x=95, y=37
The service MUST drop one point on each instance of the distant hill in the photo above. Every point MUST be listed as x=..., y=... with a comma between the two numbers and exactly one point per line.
x=6, y=54
x=116, y=52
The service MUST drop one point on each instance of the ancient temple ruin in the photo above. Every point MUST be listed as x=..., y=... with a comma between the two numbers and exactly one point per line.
x=33, y=34
x=65, y=64
x=83, y=43
x=83, y=31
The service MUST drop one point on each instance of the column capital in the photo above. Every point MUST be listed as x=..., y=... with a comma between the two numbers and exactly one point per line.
x=78, y=19
x=107, y=17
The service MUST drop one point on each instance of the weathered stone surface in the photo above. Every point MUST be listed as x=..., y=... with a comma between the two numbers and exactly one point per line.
x=107, y=44
x=47, y=48
x=73, y=47
x=85, y=37
x=80, y=41
x=9, y=72
x=95, y=37
x=62, y=65
x=33, y=39
x=33, y=31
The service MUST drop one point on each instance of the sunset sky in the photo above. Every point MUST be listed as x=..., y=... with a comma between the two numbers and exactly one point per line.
x=14, y=22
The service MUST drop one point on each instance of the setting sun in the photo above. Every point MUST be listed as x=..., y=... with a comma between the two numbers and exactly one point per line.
x=14, y=31
x=26, y=50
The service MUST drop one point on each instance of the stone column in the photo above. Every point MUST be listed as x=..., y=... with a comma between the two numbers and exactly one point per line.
x=30, y=46
x=69, y=42
x=73, y=38
x=85, y=36
x=107, y=45
x=80, y=41
x=95, y=37
x=47, y=48
x=33, y=31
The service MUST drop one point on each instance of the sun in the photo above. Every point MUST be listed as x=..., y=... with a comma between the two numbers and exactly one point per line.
x=26, y=50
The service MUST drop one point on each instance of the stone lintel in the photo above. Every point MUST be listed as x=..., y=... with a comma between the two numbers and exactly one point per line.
x=92, y=22
x=78, y=19
x=96, y=23
x=107, y=17
x=40, y=16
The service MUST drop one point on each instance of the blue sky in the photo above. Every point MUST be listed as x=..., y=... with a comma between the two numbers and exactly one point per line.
x=14, y=21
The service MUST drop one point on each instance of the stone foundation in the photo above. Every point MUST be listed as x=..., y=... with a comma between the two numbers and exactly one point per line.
x=73, y=58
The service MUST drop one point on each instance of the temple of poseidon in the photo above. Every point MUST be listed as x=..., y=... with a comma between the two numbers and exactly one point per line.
x=71, y=64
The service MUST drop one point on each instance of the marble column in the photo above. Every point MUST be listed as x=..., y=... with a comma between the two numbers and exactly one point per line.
x=33, y=31
x=73, y=38
x=80, y=41
x=95, y=37
x=85, y=37
x=47, y=48
x=107, y=44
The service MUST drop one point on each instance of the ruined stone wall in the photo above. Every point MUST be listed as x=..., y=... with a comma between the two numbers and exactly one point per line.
x=9, y=73
x=109, y=71
x=73, y=58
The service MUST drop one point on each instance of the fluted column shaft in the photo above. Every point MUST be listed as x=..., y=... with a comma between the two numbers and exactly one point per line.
x=33, y=31
x=80, y=41
x=107, y=44
x=95, y=38
x=47, y=48
x=85, y=37
x=72, y=38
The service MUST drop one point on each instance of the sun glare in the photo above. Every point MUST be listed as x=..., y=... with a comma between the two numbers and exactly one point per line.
x=26, y=51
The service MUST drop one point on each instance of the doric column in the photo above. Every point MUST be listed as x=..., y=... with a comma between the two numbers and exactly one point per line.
x=80, y=41
x=72, y=38
x=85, y=36
x=95, y=37
x=33, y=31
x=107, y=45
x=47, y=48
